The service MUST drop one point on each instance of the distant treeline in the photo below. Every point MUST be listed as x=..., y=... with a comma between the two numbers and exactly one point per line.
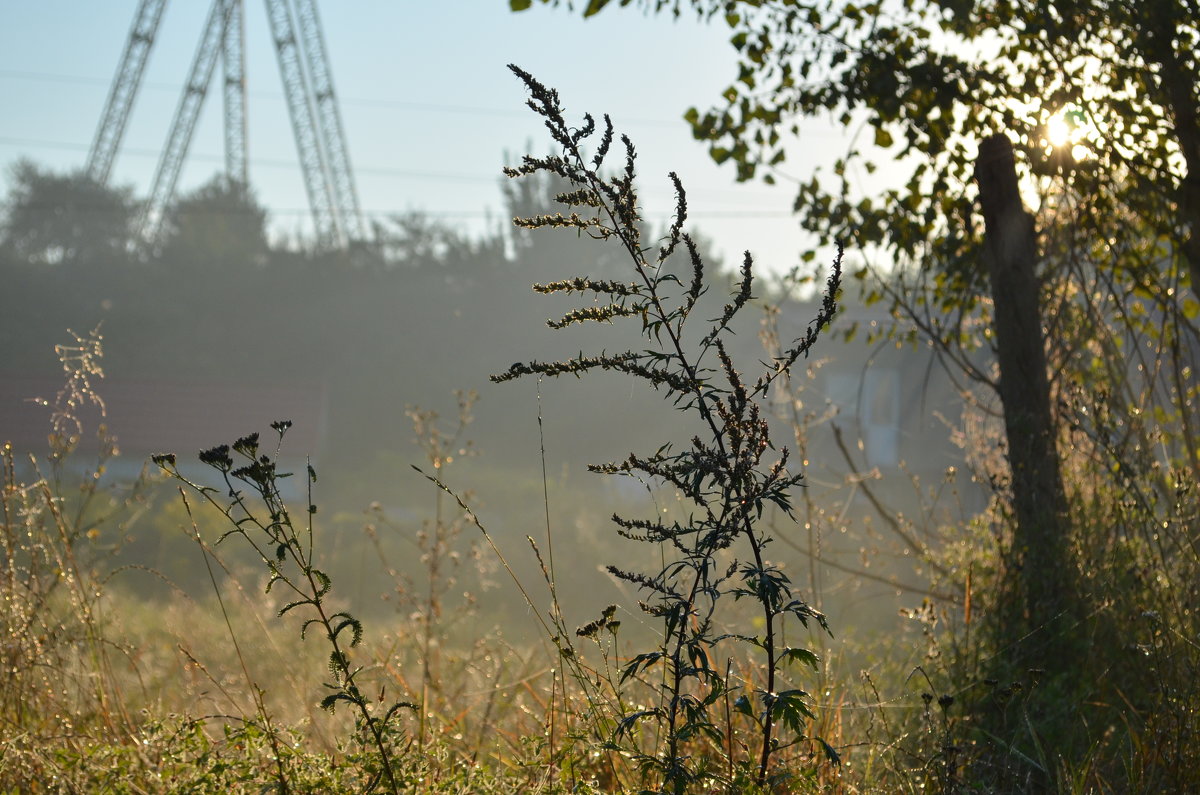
x=404, y=318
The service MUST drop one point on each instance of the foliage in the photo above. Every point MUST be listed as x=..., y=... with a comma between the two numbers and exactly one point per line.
x=437, y=600
x=64, y=218
x=56, y=539
x=83, y=711
x=930, y=79
x=218, y=224
x=718, y=553
x=1101, y=102
x=91, y=701
x=327, y=319
x=176, y=755
x=286, y=549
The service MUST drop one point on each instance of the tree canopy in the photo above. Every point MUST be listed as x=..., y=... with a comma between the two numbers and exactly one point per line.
x=55, y=218
x=220, y=220
x=1100, y=99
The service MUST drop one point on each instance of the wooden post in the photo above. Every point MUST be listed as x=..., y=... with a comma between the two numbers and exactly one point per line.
x=1039, y=502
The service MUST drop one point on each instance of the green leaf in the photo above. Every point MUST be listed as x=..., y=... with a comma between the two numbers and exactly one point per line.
x=520, y=5
x=790, y=709
x=801, y=655
x=629, y=723
x=594, y=7
x=830, y=754
x=742, y=705
x=347, y=620
x=293, y=605
x=883, y=138
x=640, y=663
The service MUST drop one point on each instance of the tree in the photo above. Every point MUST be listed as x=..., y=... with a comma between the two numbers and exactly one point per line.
x=221, y=222
x=1119, y=80
x=64, y=218
x=1099, y=98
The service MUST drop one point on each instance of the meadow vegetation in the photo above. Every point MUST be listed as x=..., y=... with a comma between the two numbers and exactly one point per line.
x=715, y=672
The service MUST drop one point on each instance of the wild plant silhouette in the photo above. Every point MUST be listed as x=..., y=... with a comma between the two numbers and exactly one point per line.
x=729, y=472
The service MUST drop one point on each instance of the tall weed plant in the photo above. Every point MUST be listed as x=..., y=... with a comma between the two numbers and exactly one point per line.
x=252, y=503
x=706, y=724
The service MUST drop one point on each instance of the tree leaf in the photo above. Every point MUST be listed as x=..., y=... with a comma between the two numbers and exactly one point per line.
x=801, y=655
x=594, y=7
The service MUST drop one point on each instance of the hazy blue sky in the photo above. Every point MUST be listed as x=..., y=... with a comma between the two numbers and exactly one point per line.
x=428, y=106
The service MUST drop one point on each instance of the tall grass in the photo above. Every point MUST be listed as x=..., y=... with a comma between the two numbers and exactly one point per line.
x=735, y=689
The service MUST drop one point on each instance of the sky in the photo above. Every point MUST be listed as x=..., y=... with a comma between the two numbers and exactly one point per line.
x=430, y=112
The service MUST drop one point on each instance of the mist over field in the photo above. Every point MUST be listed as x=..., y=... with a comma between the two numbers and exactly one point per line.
x=834, y=430
x=218, y=333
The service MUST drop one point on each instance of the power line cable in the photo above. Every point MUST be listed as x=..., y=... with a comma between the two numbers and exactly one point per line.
x=400, y=104
x=748, y=215
x=258, y=161
x=384, y=171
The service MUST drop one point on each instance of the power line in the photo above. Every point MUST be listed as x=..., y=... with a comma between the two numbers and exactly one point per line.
x=399, y=104
x=383, y=171
x=51, y=77
x=745, y=215
x=263, y=161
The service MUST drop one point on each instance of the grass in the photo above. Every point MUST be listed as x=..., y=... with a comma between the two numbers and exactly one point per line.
x=267, y=681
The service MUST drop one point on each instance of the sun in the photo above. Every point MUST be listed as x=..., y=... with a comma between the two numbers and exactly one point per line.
x=1058, y=131
x=1067, y=128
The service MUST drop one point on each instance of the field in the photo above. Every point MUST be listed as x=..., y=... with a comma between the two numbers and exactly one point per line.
x=208, y=626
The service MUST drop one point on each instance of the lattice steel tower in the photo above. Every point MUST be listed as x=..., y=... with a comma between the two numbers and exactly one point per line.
x=312, y=105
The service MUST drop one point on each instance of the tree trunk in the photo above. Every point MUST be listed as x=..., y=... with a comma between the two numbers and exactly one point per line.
x=1177, y=88
x=1039, y=502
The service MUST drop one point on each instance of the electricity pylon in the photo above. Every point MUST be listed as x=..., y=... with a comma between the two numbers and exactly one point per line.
x=124, y=89
x=312, y=105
